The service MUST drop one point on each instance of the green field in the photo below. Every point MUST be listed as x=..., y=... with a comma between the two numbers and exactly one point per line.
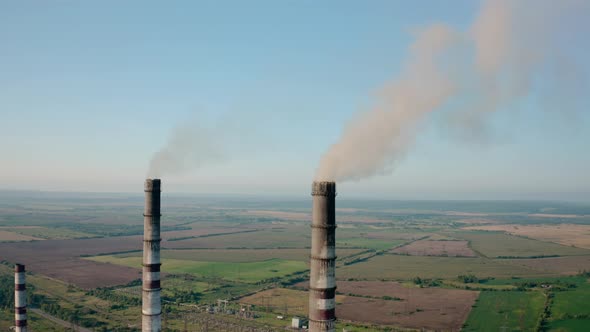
x=400, y=267
x=36, y=322
x=510, y=311
x=244, y=272
x=571, y=308
x=496, y=244
x=570, y=325
x=78, y=303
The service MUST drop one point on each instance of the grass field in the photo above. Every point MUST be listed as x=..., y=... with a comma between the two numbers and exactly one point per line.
x=570, y=325
x=245, y=272
x=74, y=299
x=35, y=322
x=399, y=267
x=496, y=244
x=571, y=309
x=497, y=311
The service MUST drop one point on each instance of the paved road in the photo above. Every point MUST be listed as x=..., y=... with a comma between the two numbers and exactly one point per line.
x=59, y=321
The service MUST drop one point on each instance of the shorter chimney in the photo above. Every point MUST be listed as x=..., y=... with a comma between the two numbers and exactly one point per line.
x=151, y=303
x=20, y=299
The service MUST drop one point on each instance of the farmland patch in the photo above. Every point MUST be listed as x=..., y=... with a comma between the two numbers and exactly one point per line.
x=566, y=234
x=400, y=267
x=448, y=248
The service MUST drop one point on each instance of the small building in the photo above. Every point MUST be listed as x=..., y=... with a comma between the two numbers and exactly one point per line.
x=298, y=322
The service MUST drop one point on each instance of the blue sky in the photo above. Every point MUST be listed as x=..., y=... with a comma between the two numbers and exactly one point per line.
x=90, y=90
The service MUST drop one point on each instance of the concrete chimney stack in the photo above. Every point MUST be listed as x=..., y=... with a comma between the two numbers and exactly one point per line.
x=20, y=299
x=151, y=305
x=322, y=280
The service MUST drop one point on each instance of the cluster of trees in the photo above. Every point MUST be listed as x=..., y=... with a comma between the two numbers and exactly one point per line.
x=427, y=282
x=472, y=279
x=557, y=285
x=122, y=301
x=44, y=303
x=184, y=297
x=6, y=291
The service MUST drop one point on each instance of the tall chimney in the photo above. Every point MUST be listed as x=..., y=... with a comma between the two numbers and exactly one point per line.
x=151, y=307
x=322, y=279
x=20, y=299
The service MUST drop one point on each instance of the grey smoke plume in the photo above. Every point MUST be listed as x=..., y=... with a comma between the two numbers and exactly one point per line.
x=468, y=74
x=188, y=147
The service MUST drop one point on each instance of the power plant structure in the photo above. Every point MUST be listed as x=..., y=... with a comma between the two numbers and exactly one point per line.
x=322, y=277
x=151, y=309
x=20, y=299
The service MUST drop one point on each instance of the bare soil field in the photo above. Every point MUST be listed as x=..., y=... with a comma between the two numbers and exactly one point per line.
x=450, y=248
x=566, y=234
x=6, y=236
x=414, y=307
x=59, y=259
x=86, y=274
x=440, y=314
x=560, y=265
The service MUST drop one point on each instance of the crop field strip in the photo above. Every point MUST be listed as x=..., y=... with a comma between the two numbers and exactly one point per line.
x=401, y=267
x=500, y=245
x=568, y=265
x=245, y=271
x=564, y=234
x=239, y=255
x=429, y=247
x=570, y=307
x=495, y=311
